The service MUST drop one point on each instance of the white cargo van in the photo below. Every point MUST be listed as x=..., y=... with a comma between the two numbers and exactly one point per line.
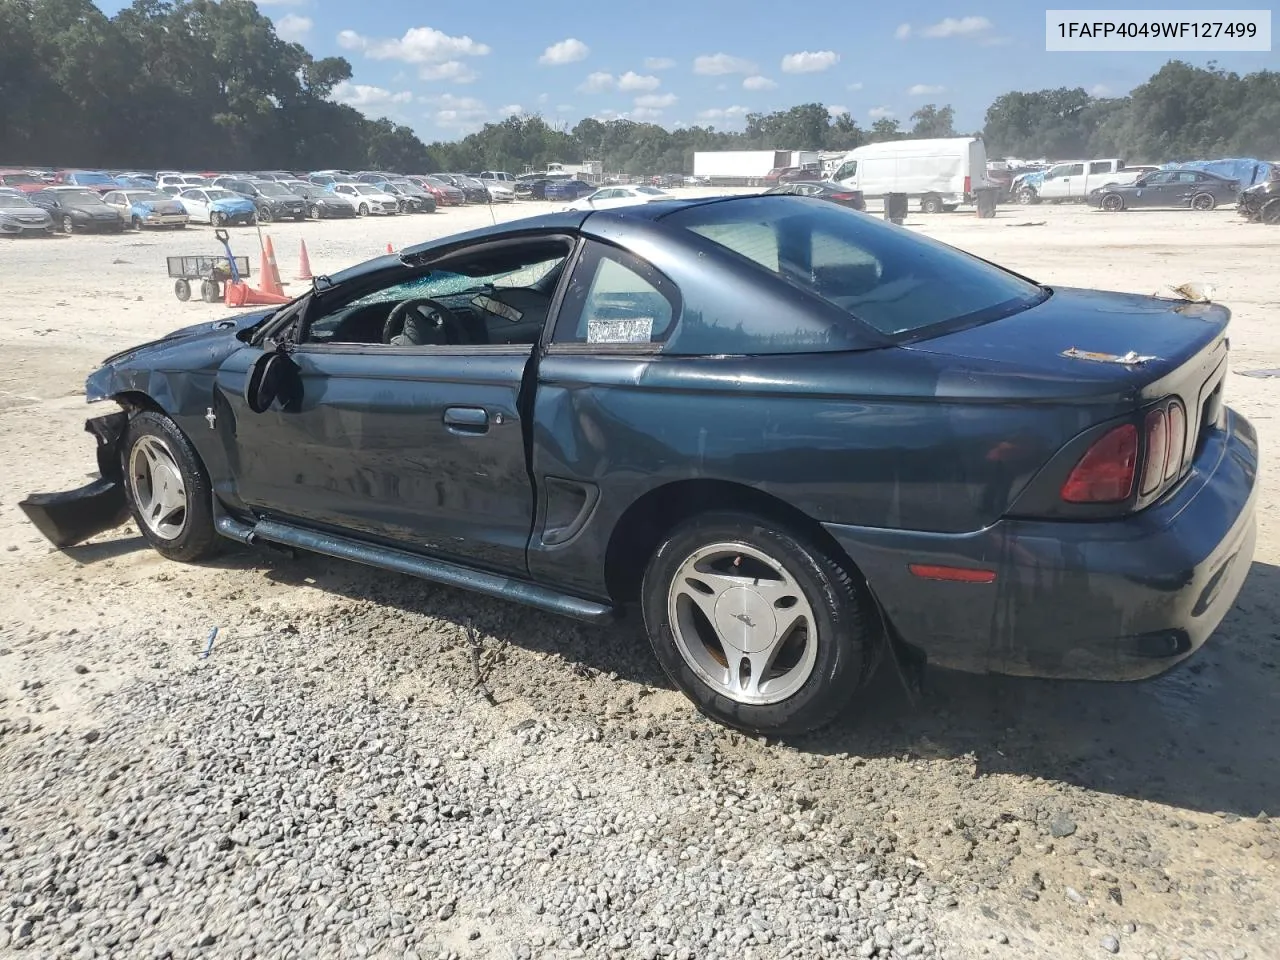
x=942, y=173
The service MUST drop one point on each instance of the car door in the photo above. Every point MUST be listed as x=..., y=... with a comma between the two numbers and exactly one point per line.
x=421, y=447
x=1153, y=190
x=1184, y=185
x=196, y=203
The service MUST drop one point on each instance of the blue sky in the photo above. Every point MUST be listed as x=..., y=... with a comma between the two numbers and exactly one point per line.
x=446, y=69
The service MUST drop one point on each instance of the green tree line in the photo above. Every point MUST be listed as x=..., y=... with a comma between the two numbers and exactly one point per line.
x=202, y=84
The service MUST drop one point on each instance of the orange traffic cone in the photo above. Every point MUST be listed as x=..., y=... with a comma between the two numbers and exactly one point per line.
x=389, y=249
x=270, y=272
x=304, y=265
x=242, y=295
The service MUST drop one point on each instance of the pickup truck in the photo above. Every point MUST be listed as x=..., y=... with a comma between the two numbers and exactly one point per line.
x=1074, y=179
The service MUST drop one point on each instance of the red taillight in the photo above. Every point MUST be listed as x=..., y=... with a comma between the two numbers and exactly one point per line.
x=968, y=185
x=1105, y=473
x=1177, y=439
x=844, y=196
x=1157, y=430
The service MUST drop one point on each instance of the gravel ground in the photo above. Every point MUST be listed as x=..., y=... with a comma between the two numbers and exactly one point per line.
x=327, y=780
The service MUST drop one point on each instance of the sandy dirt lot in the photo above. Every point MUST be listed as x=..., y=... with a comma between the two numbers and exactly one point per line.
x=590, y=812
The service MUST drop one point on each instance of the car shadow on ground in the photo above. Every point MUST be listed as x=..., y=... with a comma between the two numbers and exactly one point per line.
x=1202, y=737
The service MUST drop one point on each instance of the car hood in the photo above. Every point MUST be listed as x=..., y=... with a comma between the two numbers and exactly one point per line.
x=93, y=209
x=159, y=206
x=17, y=211
x=244, y=203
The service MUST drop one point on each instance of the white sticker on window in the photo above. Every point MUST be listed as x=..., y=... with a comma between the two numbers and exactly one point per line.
x=630, y=330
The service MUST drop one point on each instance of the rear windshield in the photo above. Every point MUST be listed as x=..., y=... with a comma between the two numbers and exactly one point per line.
x=890, y=278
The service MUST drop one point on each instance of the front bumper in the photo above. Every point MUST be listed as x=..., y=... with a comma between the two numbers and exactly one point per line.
x=1115, y=600
x=164, y=219
x=19, y=227
x=74, y=516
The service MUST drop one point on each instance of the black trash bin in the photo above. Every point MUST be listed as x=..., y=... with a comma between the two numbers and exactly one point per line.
x=895, y=207
x=986, y=199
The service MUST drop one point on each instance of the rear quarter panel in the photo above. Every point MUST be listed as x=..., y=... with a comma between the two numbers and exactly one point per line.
x=881, y=438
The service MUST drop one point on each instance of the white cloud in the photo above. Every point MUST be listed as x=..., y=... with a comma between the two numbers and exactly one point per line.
x=810, y=61
x=458, y=113
x=854, y=86
x=361, y=95
x=726, y=113
x=963, y=27
x=1100, y=90
x=293, y=27
x=636, y=81
x=903, y=31
x=564, y=108
x=418, y=45
x=454, y=71
x=597, y=82
x=758, y=82
x=656, y=101
x=718, y=64
x=875, y=113
x=543, y=98
x=566, y=51
x=924, y=90
x=644, y=113
x=658, y=63
x=510, y=110
x=836, y=110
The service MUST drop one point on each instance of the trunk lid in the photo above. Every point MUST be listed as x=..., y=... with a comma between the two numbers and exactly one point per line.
x=1074, y=340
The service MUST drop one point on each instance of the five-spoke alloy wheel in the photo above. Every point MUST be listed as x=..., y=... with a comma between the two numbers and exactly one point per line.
x=167, y=488
x=760, y=626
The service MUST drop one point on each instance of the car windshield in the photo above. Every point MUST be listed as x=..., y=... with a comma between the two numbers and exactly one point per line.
x=272, y=189
x=896, y=281
x=436, y=181
x=14, y=200
x=366, y=190
x=92, y=178
x=651, y=191
x=217, y=193
x=78, y=196
x=16, y=179
x=146, y=196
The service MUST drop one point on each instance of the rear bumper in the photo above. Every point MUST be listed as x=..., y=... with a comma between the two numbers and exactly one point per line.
x=1116, y=600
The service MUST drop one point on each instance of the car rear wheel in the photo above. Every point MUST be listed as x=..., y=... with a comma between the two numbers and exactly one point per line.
x=167, y=488
x=1203, y=201
x=68, y=225
x=931, y=205
x=1112, y=202
x=757, y=625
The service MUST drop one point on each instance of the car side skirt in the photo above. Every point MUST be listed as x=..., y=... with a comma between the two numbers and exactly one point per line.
x=400, y=561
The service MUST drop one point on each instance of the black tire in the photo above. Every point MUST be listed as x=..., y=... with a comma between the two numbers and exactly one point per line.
x=137, y=224
x=315, y=212
x=182, y=290
x=1027, y=195
x=847, y=624
x=264, y=215
x=1113, y=202
x=363, y=210
x=1271, y=212
x=198, y=539
x=209, y=290
x=217, y=218
x=1204, y=201
x=931, y=205
x=68, y=226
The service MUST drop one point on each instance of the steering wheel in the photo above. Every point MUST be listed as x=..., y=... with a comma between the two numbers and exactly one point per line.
x=438, y=318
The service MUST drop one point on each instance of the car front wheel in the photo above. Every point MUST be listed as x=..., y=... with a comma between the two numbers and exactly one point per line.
x=1203, y=201
x=761, y=628
x=167, y=487
x=1113, y=202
